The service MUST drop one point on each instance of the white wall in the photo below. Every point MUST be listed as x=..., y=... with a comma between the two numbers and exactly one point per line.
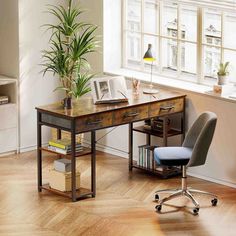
x=94, y=14
x=221, y=161
x=9, y=49
x=35, y=90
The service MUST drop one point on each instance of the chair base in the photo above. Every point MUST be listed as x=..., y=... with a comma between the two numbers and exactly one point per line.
x=184, y=191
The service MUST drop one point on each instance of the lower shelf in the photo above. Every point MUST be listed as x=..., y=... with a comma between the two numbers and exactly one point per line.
x=80, y=193
x=165, y=173
x=86, y=151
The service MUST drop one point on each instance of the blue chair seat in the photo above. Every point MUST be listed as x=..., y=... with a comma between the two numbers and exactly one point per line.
x=172, y=156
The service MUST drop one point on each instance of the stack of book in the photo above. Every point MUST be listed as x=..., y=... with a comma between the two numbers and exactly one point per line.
x=146, y=157
x=60, y=176
x=4, y=100
x=63, y=146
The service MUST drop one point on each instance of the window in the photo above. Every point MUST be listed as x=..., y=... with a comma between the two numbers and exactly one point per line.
x=175, y=31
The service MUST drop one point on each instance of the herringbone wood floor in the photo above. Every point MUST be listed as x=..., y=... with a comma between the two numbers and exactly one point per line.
x=123, y=205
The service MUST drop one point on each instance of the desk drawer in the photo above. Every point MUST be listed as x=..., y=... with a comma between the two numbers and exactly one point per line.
x=94, y=122
x=167, y=107
x=130, y=114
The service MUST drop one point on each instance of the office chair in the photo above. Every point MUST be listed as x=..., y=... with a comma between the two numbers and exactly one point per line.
x=192, y=153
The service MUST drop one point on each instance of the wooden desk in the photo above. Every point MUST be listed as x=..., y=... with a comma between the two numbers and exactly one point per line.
x=87, y=117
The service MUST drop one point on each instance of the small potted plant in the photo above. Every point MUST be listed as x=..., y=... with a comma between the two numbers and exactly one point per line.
x=223, y=72
x=70, y=42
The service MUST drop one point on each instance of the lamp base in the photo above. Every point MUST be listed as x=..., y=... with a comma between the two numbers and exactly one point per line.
x=150, y=91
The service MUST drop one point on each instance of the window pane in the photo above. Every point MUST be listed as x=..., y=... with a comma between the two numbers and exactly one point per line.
x=231, y=57
x=189, y=58
x=151, y=18
x=189, y=23
x=154, y=41
x=133, y=49
x=134, y=15
x=211, y=61
x=169, y=19
x=169, y=56
x=230, y=31
x=212, y=27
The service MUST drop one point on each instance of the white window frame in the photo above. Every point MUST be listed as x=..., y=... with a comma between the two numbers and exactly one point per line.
x=200, y=79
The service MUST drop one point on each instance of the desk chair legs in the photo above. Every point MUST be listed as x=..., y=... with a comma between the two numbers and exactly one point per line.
x=184, y=191
x=202, y=192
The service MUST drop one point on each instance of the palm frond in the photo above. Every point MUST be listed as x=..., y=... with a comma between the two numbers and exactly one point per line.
x=69, y=43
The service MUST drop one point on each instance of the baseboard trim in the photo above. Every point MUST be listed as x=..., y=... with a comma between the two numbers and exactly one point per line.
x=217, y=181
x=108, y=150
x=30, y=148
x=125, y=155
x=5, y=154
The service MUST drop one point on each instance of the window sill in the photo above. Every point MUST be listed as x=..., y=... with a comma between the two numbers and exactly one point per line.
x=228, y=90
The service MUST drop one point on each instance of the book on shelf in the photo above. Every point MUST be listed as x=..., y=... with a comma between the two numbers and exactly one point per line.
x=146, y=156
x=141, y=158
x=64, y=151
x=62, y=165
x=4, y=100
x=62, y=143
x=147, y=127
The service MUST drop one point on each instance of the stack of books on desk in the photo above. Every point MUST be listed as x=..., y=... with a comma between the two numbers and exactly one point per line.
x=63, y=146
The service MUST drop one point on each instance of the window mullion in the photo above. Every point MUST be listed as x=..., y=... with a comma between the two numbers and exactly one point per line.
x=124, y=32
x=160, y=10
x=200, y=59
x=222, y=36
x=179, y=32
x=142, y=34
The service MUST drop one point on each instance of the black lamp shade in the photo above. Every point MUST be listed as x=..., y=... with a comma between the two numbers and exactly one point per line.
x=148, y=54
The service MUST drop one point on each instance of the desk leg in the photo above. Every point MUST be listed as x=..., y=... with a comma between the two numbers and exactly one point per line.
x=183, y=126
x=130, y=146
x=58, y=133
x=93, y=163
x=39, y=152
x=73, y=162
x=165, y=132
x=148, y=139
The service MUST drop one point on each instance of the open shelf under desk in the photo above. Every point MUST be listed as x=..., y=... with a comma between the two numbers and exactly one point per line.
x=171, y=132
x=86, y=151
x=165, y=173
x=80, y=193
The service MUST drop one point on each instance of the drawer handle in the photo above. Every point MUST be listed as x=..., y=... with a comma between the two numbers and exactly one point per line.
x=131, y=114
x=166, y=108
x=94, y=122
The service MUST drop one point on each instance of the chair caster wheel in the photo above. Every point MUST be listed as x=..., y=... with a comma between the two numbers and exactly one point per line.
x=195, y=211
x=158, y=208
x=214, y=202
x=156, y=197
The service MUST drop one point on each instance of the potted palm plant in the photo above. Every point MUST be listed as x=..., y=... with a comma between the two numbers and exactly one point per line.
x=70, y=42
x=223, y=72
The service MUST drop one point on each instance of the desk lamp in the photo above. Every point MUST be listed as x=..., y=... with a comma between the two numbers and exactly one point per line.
x=148, y=57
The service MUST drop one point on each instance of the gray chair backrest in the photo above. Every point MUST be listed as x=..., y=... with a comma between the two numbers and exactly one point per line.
x=199, y=137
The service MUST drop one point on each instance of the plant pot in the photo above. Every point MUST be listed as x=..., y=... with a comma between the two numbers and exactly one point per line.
x=222, y=79
x=67, y=103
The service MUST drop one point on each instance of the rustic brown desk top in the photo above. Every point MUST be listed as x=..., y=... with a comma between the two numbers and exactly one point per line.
x=85, y=106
